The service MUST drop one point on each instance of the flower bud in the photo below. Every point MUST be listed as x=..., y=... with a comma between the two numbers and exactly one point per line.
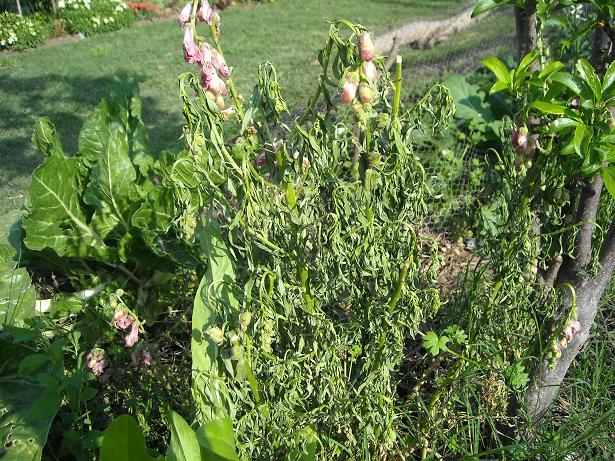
x=246, y=317
x=132, y=337
x=220, y=64
x=219, y=101
x=217, y=335
x=122, y=320
x=366, y=47
x=260, y=161
x=575, y=103
x=207, y=55
x=184, y=16
x=369, y=70
x=365, y=93
x=349, y=92
x=226, y=113
x=520, y=138
x=575, y=326
x=305, y=163
x=205, y=12
x=563, y=343
x=192, y=52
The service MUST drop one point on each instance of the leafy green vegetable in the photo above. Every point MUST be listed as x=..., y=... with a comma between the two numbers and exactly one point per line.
x=217, y=440
x=215, y=302
x=124, y=441
x=184, y=445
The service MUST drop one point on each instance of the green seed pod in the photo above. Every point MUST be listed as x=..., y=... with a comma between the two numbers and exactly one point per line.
x=244, y=320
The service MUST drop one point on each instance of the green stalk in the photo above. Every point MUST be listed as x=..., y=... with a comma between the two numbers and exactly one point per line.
x=392, y=303
x=397, y=97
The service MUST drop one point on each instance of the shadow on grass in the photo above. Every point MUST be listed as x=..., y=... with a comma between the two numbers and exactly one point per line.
x=68, y=102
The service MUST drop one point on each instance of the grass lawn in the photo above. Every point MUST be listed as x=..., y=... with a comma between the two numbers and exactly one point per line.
x=66, y=81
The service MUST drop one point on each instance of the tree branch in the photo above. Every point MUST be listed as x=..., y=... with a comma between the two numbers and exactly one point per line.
x=586, y=215
x=607, y=257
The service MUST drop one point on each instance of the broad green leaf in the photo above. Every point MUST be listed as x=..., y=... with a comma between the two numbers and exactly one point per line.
x=482, y=6
x=27, y=412
x=17, y=295
x=112, y=190
x=55, y=218
x=27, y=409
x=498, y=86
x=528, y=60
x=217, y=440
x=153, y=220
x=548, y=108
x=588, y=74
x=562, y=123
x=118, y=114
x=608, y=83
x=45, y=138
x=498, y=68
x=11, y=234
x=608, y=176
x=579, y=135
x=184, y=445
x=550, y=68
x=124, y=441
x=215, y=302
x=469, y=101
x=573, y=83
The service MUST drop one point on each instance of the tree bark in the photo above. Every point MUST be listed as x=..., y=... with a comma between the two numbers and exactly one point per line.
x=547, y=378
x=527, y=28
x=586, y=216
x=19, y=8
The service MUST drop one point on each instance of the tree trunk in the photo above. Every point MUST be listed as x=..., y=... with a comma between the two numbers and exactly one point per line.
x=19, y=8
x=527, y=28
x=547, y=379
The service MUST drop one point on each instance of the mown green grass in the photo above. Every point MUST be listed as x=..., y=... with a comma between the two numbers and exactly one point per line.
x=66, y=81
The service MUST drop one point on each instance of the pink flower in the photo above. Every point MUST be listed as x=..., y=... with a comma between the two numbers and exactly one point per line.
x=206, y=51
x=349, y=92
x=261, y=159
x=97, y=361
x=217, y=85
x=575, y=326
x=192, y=52
x=220, y=64
x=305, y=163
x=365, y=93
x=366, y=46
x=519, y=138
x=147, y=358
x=205, y=12
x=132, y=337
x=184, y=17
x=122, y=320
x=369, y=70
x=141, y=357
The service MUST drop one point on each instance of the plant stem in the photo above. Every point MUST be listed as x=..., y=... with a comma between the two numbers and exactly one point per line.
x=397, y=97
